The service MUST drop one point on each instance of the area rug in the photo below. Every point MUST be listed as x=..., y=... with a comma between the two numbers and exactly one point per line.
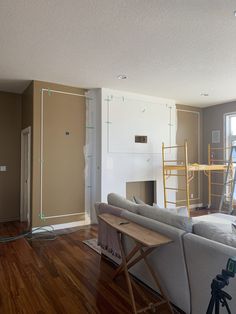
x=92, y=243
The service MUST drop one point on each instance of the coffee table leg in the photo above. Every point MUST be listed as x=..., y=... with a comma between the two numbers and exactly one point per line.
x=127, y=258
x=125, y=268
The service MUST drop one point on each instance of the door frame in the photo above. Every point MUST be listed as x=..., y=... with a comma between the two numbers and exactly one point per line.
x=23, y=214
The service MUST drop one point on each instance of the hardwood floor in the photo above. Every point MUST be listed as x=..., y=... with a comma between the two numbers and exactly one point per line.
x=60, y=276
x=202, y=212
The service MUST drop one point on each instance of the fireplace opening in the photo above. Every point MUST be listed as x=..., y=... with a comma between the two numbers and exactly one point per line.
x=143, y=190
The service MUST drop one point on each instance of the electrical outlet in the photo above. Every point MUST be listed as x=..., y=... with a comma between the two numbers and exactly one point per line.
x=191, y=195
x=3, y=168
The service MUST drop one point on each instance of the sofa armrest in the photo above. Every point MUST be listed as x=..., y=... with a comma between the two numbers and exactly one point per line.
x=205, y=259
x=102, y=208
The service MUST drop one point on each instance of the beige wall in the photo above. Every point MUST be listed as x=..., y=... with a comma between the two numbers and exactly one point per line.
x=10, y=134
x=189, y=128
x=58, y=121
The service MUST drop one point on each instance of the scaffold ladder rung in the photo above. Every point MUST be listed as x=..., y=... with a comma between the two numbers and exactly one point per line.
x=174, y=189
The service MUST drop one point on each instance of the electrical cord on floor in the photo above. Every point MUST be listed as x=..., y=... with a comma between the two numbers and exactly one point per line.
x=45, y=235
x=33, y=235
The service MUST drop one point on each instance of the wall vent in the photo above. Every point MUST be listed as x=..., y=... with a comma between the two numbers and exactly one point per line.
x=140, y=139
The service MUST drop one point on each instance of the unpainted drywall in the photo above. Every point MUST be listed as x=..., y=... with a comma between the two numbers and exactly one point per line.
x=10, y=135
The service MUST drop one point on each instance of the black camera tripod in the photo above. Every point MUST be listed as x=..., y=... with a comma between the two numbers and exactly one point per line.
x=219, y=297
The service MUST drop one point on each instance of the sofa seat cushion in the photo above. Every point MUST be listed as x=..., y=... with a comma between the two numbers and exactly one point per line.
x=165, y=216
x=215, y=218
x=218, y=231
x=119, y=201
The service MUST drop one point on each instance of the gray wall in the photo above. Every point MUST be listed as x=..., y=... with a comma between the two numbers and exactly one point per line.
x=213, y=119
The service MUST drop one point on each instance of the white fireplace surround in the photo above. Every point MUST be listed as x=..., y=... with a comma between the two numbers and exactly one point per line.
x=116, y=117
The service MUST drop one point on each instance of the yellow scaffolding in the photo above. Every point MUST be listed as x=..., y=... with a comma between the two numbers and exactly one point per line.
x=171, y=168
x=213, y=159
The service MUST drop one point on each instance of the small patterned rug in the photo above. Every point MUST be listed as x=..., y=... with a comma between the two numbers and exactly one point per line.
x=92, y=243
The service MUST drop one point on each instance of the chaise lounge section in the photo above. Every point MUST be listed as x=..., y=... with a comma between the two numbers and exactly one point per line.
x=186, y=266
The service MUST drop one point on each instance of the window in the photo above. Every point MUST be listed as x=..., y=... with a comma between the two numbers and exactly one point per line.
x=230, y=131
x=230, y=139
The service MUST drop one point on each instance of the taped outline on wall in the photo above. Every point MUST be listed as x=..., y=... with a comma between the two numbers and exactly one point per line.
x=198, y=144
x=108, y=121
x=41, y=215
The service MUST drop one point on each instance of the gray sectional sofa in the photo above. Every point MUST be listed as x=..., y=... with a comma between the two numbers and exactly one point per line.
x=200, y=249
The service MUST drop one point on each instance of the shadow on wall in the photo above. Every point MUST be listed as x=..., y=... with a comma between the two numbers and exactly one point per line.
x=14, y=86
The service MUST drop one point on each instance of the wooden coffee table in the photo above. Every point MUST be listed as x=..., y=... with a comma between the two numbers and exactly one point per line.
x=146, y=241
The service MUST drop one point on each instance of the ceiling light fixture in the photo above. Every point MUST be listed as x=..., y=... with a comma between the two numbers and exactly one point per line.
x=122, y=77
x=234, y=13
x=204, y=94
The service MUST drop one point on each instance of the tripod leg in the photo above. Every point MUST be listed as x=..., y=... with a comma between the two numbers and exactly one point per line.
x=217, y=305
x=211, y=305
x=225, y=303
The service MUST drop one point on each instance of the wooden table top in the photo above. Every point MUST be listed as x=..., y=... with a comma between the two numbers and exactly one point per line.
x=141, y=234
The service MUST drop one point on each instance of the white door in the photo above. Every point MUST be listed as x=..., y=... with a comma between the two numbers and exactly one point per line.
x=25, y=174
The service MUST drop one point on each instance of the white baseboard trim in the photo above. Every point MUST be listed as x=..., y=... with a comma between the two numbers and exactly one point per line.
x=195, y=205
x=72, y=224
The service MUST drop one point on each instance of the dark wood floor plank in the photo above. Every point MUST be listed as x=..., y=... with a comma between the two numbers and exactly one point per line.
x=59, y=277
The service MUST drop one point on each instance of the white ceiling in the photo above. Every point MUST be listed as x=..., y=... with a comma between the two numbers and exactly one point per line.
x=167, y=48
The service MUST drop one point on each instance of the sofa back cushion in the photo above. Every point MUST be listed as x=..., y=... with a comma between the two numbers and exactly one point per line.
x=119, y=201
x=137, y=200
x=181, y=210
x=167, y=217
x=218, y=232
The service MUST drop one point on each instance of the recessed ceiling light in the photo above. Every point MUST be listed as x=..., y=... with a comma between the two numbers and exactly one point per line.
x=204, y=94
x=122, y=77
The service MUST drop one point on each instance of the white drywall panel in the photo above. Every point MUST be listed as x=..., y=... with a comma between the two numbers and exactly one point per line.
x=129, y=117
x=121, y=162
